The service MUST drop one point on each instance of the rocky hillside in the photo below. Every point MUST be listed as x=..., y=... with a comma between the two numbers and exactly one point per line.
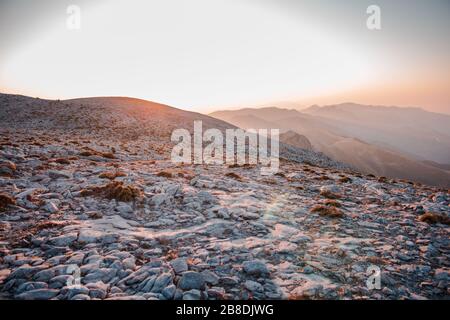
x=90, y=208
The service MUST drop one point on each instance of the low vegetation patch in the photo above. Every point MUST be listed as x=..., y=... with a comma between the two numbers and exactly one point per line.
x=333, y=203
x=91, y=152
x=345, y=179
x=114, y=190
x=165, y=174
x=432, y=218
x=327, y=211
x=62, y=161
x=108, y=155
x=86, y=153
x=6, y=200
x=233, y=175
x=111, y=175
x=330, y=195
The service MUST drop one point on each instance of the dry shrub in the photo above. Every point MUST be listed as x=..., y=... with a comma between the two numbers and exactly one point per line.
x=114, y=190
x=330, y=195
x=164, y=174
x=323, y=178
x=108, y=155
x=233, y=175
x=333, y=203
x=382, y=179
x=172, y=254
x=280, y=174
x=86, y=153
x=376, y=260
x=431, y=218
x=62, y=161
x=345, y=179
x=8, y=164
x=327, y=211
x=269, y=181
x=6, y=200
x=295, y=296
x=112, y=175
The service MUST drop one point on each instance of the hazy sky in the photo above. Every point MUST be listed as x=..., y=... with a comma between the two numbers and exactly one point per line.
x=208, y=54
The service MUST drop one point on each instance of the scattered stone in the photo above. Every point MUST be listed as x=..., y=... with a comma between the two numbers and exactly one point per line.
x=179, y=265
x=191, y=280
x=255, y=267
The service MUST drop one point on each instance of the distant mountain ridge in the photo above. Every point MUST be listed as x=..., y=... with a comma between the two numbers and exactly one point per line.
x=390, y=141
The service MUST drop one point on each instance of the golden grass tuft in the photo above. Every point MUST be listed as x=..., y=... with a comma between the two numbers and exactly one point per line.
x=330, y=195
x=332, y=203
x=233, y=175
x=108, y=155
x=432, y=218
x=327, y=211
x=345, y=179
x=62, y=161
x=114, y=190
x=86, y=153
x=6, y=200
x=165, y=174
x=111, y=175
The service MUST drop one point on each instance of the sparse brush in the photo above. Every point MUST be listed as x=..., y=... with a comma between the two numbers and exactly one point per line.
x=327, y=211
x=165, y=174
x=112, y=175
x=108, y=155
x=269, y=181
x=330, y=195
x=62, y=161
x=8, y=164
x=172, y=254
x=375, y=260
x=280, y=174
x=233, y=175
x=86, y=153
x=333, y=203
x=323, y=178
x=432, y=218
x=114, y=190
x=345, y=179
x=294, y=296
x=382, y=179
x=6, y=200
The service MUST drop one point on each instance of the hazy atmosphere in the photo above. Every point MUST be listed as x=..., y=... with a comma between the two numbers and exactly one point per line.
x=203, y=55
x=260, y=150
